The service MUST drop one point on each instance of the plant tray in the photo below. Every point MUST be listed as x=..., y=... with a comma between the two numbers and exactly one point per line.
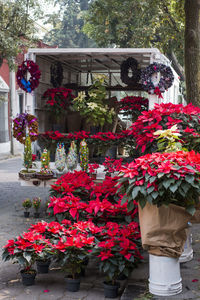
x=44, y=176
x=26, y=176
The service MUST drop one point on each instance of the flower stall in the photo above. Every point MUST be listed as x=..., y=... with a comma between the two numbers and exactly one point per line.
x=78, y=112
x=70, y=97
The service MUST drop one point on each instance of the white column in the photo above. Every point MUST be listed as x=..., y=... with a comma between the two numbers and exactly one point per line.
x=13, y=111
x=152, y=100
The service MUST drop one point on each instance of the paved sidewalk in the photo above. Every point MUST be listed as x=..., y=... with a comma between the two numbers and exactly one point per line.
x=52, y=285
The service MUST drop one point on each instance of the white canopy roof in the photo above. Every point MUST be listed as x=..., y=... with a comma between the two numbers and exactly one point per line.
x=98, y=59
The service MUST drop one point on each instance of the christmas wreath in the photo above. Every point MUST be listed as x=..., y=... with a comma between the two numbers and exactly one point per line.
x=33, y=82
x=23, y=122
x=165, y=82
x=56, y=71
x=128, y=64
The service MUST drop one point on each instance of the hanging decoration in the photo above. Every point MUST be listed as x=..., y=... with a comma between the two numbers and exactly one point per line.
x=28, y=85
x=25, y=123
x=165, y=82
x=60, y=157
x=127, y=65
x=84, y=155
x=56, y=71
x=72, y=157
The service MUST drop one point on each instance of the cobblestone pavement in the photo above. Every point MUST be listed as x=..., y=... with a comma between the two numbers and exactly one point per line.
x=52, y=286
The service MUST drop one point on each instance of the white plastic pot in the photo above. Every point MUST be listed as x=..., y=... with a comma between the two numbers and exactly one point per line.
x=187, y=254
x=164, y=276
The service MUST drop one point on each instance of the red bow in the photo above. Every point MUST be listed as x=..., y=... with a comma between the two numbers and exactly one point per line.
x=158, y=92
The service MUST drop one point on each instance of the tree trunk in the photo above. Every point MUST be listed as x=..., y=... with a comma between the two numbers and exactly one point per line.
x=192, y=50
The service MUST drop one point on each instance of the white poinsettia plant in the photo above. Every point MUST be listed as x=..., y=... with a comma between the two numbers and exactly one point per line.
x=92, y=105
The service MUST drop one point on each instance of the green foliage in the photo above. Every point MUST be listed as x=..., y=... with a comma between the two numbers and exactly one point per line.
x=45, y=159
x=16, y=27
x=27, y=203
x=136, y=23
x=67, y=25
x=27, y=153
x=92, y=106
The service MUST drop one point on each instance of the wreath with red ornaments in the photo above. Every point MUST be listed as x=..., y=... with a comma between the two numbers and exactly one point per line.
x=165, y=82
x=28, y=85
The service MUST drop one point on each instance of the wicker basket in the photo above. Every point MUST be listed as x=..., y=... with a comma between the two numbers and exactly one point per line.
x=26, y=176
x=44, y=176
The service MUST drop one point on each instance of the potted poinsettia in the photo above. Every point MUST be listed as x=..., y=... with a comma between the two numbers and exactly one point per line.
x=118, y=253
x=164, y=180
x=25, y=250
x=72, y=251
x=162, y=117
x=93, y=170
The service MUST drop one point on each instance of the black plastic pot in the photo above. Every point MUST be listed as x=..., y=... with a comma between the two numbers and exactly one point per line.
x=110, y=291
x=26, y=214
x=36, y=214
x=43, y=266
x=28, y=278
x=73, y=285
x=122, y=277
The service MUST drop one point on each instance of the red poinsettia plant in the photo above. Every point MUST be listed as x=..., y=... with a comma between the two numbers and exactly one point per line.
x=26, y=249
x=72, y=250
x=163, y=178
x=162, y=117
x=117, y=250
x=78, y=183
x=67, y=207
x=58, y=100
x=133, y=105
x=112, y=165
x=93, y=168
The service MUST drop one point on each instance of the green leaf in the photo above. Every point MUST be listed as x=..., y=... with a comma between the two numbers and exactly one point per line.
x=189, y=178
x=168, y=182
x=27, y=256
x=149, y=199
x=173, y=188
x=185, y=186
x=154, y=195
x=142, y=202
x=121, y=267
x=135, y=192
x=130, y=206
x=124, y=200
x=191, y=210
x=150, y=189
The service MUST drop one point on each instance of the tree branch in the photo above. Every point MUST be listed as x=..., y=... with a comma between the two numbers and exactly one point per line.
x=173, y=22
x=177, y=67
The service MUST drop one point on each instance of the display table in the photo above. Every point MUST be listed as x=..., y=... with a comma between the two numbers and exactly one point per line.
x=47, y=183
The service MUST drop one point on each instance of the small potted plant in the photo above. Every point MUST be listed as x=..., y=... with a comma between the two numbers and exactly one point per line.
x=27, y=205
x=45, y=171
x=24, y=250
x=36, y=206
x=119, y=254
x=72, y=252
x=28, y=160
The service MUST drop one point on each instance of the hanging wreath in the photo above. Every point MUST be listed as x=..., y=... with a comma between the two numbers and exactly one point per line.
x=33, y=82
x=165, y=82
x=56, y=71
x=23, y=122
x=130, y=64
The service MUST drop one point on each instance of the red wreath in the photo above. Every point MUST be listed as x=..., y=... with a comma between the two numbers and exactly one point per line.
x=33, y=82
